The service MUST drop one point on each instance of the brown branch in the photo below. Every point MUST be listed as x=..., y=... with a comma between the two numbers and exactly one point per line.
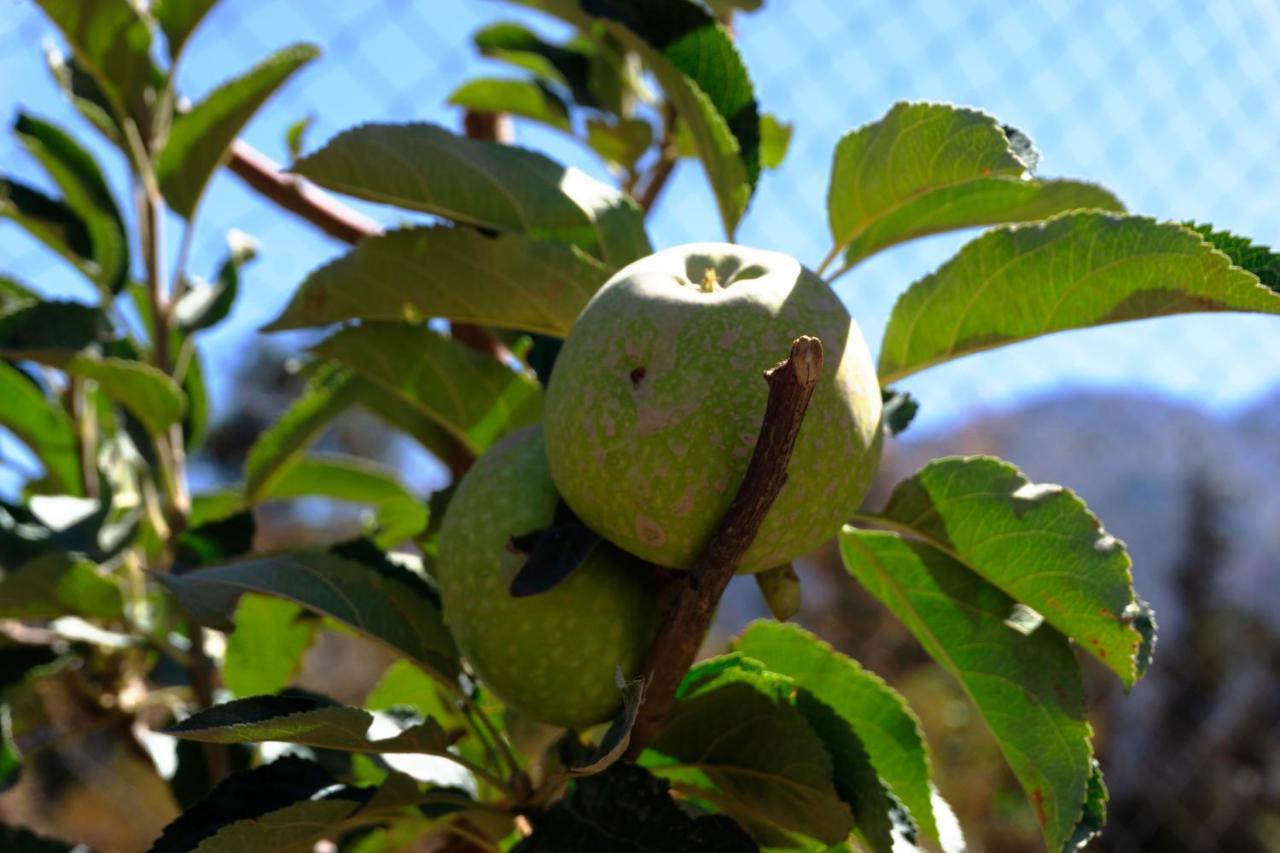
x=690, y=611
x=661, y=171
x=298, y=197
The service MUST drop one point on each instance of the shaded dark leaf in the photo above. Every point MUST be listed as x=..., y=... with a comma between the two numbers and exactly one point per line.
x=216, y=541
x=207, y=304
x=553, y=553
x=613, y=744
x=900, y=409
x=628, y=810
x=699, y=67
x=1243, y=252
x=85, y=191
x=244, y=795
x=51, y=325
x=50, y=221
x=15, y=839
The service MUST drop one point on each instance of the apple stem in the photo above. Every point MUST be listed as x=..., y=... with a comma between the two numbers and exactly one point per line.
x=692, y=607
x=710, y=281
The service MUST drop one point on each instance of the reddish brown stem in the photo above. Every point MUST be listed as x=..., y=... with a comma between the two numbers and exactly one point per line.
x=690, y=612
x=298, y=197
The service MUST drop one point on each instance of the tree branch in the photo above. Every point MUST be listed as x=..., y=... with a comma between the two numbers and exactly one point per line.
x=667, y=156
x=298, y=197
x=691, y=609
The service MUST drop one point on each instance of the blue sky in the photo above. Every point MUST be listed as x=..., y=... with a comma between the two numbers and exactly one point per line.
x=1170, y=104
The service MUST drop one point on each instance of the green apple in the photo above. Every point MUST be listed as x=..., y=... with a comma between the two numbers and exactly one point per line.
x=553, y=655
x=657, y=398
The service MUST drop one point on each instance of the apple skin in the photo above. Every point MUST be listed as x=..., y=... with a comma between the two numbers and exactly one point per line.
x=656, y=400
x=553, y=655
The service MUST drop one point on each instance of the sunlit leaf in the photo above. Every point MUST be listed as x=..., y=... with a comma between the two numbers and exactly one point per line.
x=702, y=73
x=742, y=738
x=200, y=139
x=887, y=727
x=263, y=622
x=510, y=281
x=474, y=397
x=1026, y=685
x=44, y=426
x=1074, y=271
x=522, y=98
x=1037, y=542
x=926, y=168
x=427, y=168
x=179, y=19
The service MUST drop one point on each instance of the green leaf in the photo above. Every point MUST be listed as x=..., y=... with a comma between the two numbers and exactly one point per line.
x=524, y=98
x=474, y=397
x=900, y=409
x=510, y=281
x=50, y=330
x=400, y=514
x=887, y=727
x=385, y=602
x=152, y=397
x=216, y=541
x=55, y=585
x=113, y=43
x=263, y=622
x=741, y=737
x=627, y=802
x=179, y=19
x=44, y=426
x=883, y=824
x=50, y=221
x=196, y=420
x=775, y=139
x=1094, y=816
x=244, y=796
x=427, y=168
x=565, y=65
x=621, y=142
x=205, y=305
x=1026, y=685
x=85, y=192
x=16, y=839
x=1071, y=272
x=14, y=295
x=330, y=393
x=200, y=139
x=405, y=685
x=1038, y=543
x=304, y=720
x=699, y=68
x=401, y=414
x=83, y=92
x=1244, y=253
x=926, y=168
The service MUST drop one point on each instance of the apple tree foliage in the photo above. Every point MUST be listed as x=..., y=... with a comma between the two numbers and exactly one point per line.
x=782, y=742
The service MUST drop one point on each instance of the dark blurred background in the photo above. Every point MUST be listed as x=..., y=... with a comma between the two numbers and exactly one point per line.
x=1168, y=428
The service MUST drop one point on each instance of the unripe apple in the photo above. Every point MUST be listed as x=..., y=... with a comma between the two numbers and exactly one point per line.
x=657, y=399
x=551, y=655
